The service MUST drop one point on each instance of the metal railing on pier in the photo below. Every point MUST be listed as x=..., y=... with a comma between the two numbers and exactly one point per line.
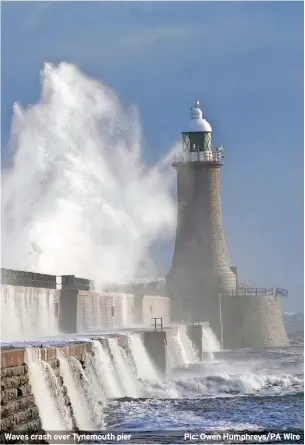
x=157, y=325
x=257, y=291
x=32, y=279
x=148, y=288
x=199, y=156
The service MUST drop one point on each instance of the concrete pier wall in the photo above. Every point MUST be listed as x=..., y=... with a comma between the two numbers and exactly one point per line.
x=82, y=311
x=74, y=310
x=155, y=306
x=194, y=333
x=155, y=343
x=248, y=320
x=103, y=310
x=114, y=310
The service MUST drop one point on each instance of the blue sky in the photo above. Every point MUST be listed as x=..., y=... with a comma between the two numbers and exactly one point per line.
x=243, y=61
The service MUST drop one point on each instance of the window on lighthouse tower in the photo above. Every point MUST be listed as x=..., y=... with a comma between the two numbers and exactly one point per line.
x=186, y=142
x=207, y=146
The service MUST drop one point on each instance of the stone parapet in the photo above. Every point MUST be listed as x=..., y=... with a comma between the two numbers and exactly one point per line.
x=12, y=357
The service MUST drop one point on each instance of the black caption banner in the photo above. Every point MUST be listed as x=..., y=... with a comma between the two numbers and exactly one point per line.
x=155, y=437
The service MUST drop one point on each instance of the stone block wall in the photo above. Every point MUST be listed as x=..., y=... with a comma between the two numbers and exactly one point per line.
x=19, y=411
x=252, y=321
x=231, y=323
x=200, y=266
x=18, y=408
x=262, y=323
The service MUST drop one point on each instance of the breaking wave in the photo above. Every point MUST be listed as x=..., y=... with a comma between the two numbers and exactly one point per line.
x=230, y=384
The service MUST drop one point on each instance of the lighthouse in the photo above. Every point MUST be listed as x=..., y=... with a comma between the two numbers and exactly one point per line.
x=200, y=272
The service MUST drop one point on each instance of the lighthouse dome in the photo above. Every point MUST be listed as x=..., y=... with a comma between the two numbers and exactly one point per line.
x=197, y=122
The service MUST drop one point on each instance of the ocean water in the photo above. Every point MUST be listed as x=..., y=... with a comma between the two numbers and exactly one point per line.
x=237, y=390
x=118, y=390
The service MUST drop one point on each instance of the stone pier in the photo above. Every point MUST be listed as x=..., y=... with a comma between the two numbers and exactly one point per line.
x=194, y=333
x=19, y=412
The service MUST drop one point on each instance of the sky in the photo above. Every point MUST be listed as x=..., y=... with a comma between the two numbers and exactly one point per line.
x=242, y=61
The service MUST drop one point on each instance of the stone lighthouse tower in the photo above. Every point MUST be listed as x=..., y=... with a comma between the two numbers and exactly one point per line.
x=200, y=268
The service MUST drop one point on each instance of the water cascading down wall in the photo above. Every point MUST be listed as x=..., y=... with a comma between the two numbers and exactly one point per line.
x=67, y=386
x=46, y=311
